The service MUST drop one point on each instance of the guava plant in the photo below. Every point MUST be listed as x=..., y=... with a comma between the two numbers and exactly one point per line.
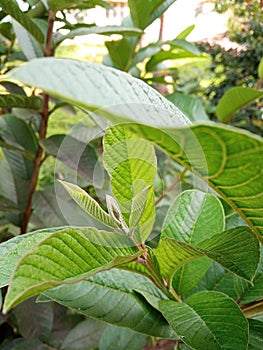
x=198, y=281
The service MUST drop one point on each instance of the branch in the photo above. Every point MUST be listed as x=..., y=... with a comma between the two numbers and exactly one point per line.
x=176, y=181
x=42, y=132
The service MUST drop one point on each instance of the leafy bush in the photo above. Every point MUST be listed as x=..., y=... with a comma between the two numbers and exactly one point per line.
x=157, y=230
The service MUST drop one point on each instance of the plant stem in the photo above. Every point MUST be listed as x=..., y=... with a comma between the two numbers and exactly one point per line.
x=42, y=132
x=175, y=182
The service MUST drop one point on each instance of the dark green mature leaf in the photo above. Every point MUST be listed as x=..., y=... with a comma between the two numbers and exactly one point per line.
x=255, y=335
x=237, y=250
x=234, y=99
x=27, y=42
x=118, y=96
x=11, y=7
x=28, y=344
x=110, y=296
x=143, y=16
x=121, y=338
x=18, y=101
x=77, y=155
x=40, y=316
x=106, y=30
x=190, y=105
x=131, y=164
x=208, y=321
x=17, y=168
x=255, y=292
x=76, y=254
x=84, y=335
x=228, y=159
x=193, y=217
x=220, y=280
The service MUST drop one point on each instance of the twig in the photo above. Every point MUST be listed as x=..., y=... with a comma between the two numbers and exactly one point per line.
x=175, y=182
x=42, y=132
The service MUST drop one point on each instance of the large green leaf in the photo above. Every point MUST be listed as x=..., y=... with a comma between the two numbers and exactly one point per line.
x=234, y=99
x=131, y=164
x=110, y=296
x=193, y=217
x=237, y=250
x=228, y=159
x=113, y=94
x=208, y=321
x=11, y=7
x=77, y=253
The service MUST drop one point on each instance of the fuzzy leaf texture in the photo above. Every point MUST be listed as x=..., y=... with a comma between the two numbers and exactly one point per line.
x=131, y=164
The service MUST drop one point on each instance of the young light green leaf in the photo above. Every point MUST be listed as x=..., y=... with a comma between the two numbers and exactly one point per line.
x=131, y=164
x=11, y=7
x=234, y=99
x=88, y=204
x=138, y=207
x=184, y=34
x=14, y=249
x=110, y=296
x=67, y=256
x=208, y=320
x=237, y=250
x=260, y=68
